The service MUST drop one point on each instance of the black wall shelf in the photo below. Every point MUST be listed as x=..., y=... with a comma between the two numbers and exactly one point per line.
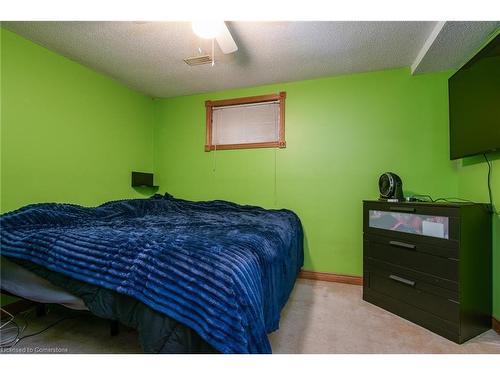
x=142, y=179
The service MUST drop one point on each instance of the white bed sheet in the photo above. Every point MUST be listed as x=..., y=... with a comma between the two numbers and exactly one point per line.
x=23, y=283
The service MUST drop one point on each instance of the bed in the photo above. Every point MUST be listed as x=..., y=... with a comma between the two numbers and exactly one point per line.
x=189, y=276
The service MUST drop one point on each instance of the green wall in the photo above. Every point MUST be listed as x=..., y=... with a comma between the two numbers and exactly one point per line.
x=472, y=184
x=341, y=134
x=68, y=134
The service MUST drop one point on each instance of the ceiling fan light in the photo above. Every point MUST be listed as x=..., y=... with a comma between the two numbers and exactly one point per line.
x=207, y=29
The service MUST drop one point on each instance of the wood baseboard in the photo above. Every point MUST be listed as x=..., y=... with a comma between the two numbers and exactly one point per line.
x=495, y=324
x=331, y=277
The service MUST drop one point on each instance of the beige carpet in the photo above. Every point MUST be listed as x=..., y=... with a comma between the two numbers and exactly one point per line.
x=323, y=317
x=320, y=317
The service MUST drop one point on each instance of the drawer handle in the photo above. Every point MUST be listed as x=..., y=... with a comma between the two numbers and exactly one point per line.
x=402, y=280
x=403, y=245
x=402, y=209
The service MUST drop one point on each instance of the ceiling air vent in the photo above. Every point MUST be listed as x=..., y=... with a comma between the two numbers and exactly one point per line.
x=198, y=60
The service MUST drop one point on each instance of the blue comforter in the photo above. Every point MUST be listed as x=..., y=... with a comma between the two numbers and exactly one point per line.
x=223, y=269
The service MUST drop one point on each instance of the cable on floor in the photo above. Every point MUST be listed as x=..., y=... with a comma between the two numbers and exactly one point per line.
x=10, y=332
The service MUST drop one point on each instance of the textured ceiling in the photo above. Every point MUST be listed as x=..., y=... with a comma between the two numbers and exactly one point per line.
x=455, y=44
x=148, y=56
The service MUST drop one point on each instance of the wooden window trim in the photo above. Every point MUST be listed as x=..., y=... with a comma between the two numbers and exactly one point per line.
x=211, y=104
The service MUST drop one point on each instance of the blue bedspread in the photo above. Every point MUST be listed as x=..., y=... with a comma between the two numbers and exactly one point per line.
x=223, y=269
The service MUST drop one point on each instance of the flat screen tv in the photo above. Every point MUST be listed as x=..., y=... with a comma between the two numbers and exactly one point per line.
x=474, y=97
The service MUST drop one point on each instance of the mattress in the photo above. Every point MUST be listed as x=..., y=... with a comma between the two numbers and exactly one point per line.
x=17, y=280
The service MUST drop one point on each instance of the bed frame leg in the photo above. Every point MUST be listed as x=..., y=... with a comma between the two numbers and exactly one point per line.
x=114, y=328
x=41, y=309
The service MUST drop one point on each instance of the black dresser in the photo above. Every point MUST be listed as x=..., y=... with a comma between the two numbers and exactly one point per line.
x=430, y=263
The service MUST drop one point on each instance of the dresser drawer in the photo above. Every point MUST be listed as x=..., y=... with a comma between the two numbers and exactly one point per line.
x=442, y=327
x=435, y=226
x=451, y=287
x=416, y=246
x=399, y=285
x=413, y=256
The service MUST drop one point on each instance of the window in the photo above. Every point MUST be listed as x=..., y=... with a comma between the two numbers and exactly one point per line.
x=251, y=122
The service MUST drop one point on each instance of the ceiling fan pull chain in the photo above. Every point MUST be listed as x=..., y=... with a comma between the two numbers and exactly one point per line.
x=213, y=51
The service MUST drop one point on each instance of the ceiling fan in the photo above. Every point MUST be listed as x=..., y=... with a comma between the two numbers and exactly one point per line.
x=216, y=30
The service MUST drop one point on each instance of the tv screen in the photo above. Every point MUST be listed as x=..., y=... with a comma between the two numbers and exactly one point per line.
x=474, y=97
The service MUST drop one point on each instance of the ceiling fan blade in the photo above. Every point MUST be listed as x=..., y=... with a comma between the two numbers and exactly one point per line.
x=226, y=41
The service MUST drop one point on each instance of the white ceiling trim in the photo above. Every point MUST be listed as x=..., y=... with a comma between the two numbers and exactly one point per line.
x=427, y=45
x=451, y=44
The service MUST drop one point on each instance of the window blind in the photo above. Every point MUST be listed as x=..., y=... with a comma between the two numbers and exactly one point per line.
x=246, y=123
